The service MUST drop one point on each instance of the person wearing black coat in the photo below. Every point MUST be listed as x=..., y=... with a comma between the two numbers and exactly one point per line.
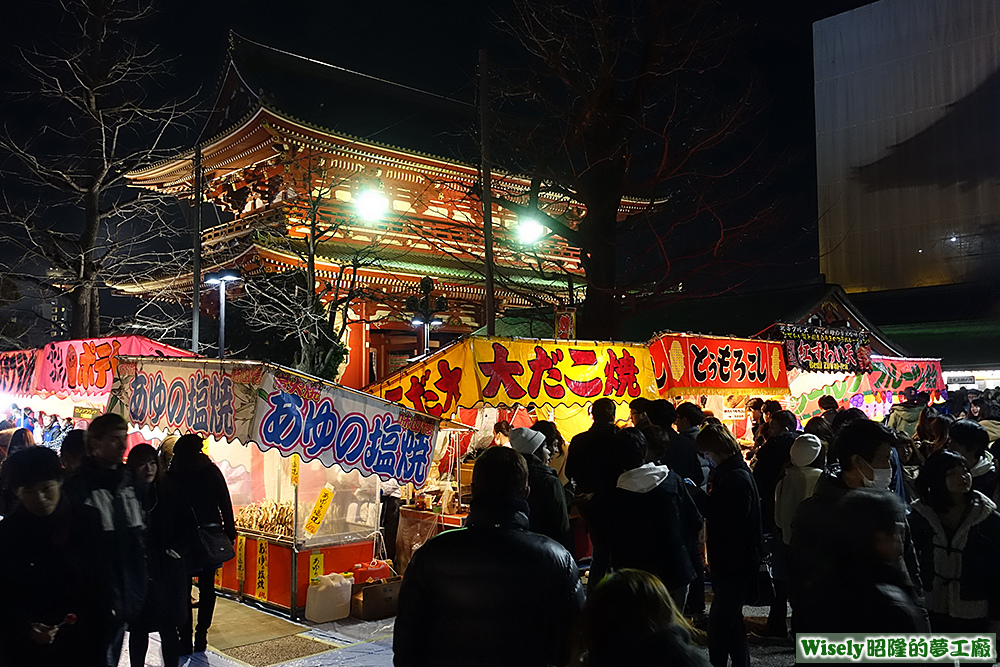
x=56, y=605
x=102, y=482
x=505, y=595
x=870, y=592
x=589, y=456
x=169, y=535
x=735, y=544
x=650, y=521
x=200, y=489
x=549, y=514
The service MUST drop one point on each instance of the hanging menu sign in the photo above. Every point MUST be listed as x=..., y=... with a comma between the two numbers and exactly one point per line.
x=826, y=349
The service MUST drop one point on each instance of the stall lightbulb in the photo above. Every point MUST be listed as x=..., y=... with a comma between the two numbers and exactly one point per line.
x=417, y=322
x=529, y=230
x=436, y=322
x=371, y=205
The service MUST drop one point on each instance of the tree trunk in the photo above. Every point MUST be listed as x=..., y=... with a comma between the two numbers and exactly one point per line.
x=600, y=316
x=82, y=299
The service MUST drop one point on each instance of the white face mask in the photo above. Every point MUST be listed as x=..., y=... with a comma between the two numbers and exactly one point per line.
x=881, y=478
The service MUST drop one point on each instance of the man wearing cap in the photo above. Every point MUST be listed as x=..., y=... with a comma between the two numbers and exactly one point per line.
x=504, y=595
x=549, y=514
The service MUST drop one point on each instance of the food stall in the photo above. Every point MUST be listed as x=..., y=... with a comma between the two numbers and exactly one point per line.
x=478, y=380
x=72, y=378
x=719, y=373
x=838, y=362
x=302, y=457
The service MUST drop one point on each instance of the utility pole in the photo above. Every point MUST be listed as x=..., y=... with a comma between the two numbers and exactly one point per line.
x=485, y=171
x=196, y=237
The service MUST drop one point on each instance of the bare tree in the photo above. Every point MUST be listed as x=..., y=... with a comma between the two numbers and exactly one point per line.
x=632, y=112
x=301, y=304
x=101, y=114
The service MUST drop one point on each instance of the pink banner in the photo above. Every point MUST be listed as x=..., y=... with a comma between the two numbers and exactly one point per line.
x=87, y=366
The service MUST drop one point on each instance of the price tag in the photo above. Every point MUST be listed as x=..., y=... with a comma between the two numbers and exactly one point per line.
x=241, y=558
x=319, y=510
x=260, y=590
x=315, y=565
x=295, y=469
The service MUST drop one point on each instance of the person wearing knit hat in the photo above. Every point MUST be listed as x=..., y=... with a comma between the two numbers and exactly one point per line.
x=549, y=511
x=525, y=440
x=799, y=481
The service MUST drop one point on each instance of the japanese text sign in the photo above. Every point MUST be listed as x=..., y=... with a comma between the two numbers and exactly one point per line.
x=826, y=349
x=896, y=374
x=87, y=366
x=503, y=372
x=686, y=364
x=17, y=371
x=276, y=409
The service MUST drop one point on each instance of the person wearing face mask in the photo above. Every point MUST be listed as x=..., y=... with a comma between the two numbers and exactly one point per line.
x=863, y=450
x=55, y=607
x=956, y=532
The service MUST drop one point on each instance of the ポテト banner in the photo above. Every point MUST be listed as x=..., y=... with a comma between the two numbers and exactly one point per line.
x=502, y=372
x=685, y=365
x=275, y=408
x=826, y=349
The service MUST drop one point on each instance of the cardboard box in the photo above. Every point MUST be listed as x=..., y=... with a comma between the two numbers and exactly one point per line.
x=376, y=600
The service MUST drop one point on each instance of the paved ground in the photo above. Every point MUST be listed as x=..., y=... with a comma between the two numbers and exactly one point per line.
x=354, y=643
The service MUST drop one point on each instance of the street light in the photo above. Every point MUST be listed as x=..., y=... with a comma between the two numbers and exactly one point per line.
x=425, y=310
x=220, y=278
x=529, y=230
x=371, y=204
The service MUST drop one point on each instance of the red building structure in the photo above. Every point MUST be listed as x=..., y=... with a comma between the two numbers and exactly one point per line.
x=293, y=145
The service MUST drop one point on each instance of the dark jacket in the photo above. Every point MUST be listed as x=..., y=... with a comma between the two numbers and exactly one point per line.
x=812, y=564
x=170, y=538
x=200, y=488
x=650, y=523
x=872, y=600
x=549, y=514
x=681, y=456
x=733, y=534
x=958, y=571
x=589, y=461
x=769, y=464
x=504, y=595
x=110, y=491
x=50, y=567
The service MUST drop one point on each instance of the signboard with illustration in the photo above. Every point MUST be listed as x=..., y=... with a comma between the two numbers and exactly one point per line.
x=826, y=349
x=275, y=408
x=502, y=372
x=700, y=365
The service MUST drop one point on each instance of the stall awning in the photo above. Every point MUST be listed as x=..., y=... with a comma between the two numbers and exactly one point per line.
x=276, y=408
x=502, y=372
x=74, y=368
x=686, y=364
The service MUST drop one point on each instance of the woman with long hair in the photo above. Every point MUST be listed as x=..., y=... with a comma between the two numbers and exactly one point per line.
x=956, y=533
x=169, y=587
x=631, y=619
x=735, y=541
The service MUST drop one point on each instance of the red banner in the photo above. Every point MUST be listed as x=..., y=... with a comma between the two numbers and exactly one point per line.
x=896, y=374
x=87, y=366
x=685, y=365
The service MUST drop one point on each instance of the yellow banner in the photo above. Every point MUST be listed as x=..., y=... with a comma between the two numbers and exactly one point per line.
x=295, y=469
x=260, y=590
x=241, y=558
x=315, y=565
x=503, y=371
x=319, y=510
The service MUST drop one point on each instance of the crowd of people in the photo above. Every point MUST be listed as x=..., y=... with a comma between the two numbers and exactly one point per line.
x=859, y=526
x=96, y=545
x=46, y=429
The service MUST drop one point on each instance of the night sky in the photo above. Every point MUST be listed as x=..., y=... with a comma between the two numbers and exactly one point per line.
x=433, y=45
